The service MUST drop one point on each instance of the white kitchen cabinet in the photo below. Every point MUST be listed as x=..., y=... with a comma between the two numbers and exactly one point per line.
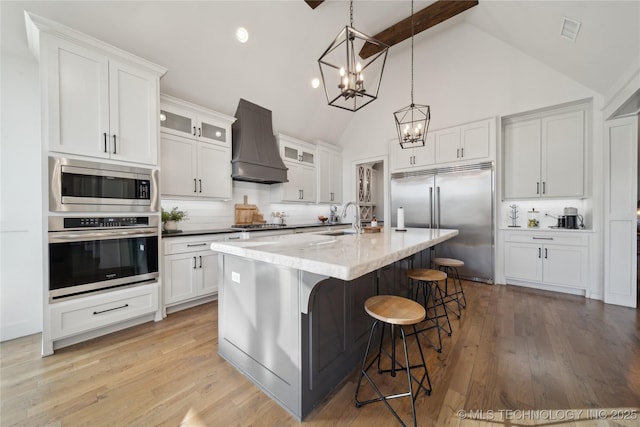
x=191, y=269
x=194, y=169
x=193, y=166
x=466, y=143
x=556, y=259
x=99, y=105
x=412, y=157
x=544, y=156
x=329, y=175
x=180, y=118
x=300, y=160
x=462, y=143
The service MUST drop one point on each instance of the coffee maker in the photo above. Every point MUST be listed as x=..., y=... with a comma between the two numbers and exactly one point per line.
x=572, y=219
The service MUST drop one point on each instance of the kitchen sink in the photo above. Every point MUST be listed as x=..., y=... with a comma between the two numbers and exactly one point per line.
x=339, y=233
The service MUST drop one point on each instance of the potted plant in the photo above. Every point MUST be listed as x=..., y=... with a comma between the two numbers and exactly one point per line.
x=172, y=217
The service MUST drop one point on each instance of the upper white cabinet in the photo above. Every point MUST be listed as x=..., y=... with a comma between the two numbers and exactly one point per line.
x=182, y=119
x=467, y=143
x=329, y=173
x=462, y=143
x=544, y=156
x=99, y=101
x=193, y=165
x=300, y=159
x=413, y=157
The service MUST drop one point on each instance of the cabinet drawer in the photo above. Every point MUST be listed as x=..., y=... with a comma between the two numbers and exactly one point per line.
x=81, y=315
x=180, y=245
x=569, y=238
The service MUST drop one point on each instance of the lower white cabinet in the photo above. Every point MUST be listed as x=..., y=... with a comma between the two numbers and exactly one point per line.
x=190, y=267
x=76, y=316
x=555, y=259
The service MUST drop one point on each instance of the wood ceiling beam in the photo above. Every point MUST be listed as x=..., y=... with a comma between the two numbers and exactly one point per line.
x=426, y=18
x=313, y=3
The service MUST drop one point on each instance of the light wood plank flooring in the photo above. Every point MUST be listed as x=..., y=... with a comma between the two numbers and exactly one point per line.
x=513, y=349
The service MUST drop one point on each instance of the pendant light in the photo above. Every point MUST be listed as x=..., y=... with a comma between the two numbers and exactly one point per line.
x=412, y=122
x=351, y=82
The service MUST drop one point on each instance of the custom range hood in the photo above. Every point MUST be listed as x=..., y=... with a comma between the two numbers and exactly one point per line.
x=255, y=155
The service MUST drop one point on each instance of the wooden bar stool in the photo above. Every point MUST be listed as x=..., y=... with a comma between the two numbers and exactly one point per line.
x=432, y=299
x=450, y=266
x=394, y=311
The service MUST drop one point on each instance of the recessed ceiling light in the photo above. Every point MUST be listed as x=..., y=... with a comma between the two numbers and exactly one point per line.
x=242, y=35
x=569, y=29
x=315, y=83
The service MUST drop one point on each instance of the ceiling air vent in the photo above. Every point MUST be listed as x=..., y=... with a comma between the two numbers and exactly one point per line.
x=569, y=29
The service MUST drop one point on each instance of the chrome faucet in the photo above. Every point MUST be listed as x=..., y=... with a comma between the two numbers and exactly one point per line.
x=356, y=223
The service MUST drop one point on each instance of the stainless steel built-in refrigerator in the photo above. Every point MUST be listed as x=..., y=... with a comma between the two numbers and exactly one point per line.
x=456, y=197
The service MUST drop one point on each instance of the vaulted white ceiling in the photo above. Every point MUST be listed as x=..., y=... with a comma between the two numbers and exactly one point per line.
x=208, y=66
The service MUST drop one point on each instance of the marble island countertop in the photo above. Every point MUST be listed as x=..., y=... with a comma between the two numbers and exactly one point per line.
x=343, y=256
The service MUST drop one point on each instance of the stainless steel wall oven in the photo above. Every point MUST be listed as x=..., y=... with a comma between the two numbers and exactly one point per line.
x=84, y=186
x=95, y=254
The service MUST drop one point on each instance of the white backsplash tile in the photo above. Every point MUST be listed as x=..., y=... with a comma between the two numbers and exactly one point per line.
x=209, y=214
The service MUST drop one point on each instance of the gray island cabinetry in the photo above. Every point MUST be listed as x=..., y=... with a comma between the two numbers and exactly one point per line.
x=290, y=307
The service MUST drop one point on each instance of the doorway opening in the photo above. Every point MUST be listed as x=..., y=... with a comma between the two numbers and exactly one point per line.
x=370, y=190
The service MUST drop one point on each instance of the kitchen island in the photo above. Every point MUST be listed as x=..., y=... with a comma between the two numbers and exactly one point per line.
x=290, y=307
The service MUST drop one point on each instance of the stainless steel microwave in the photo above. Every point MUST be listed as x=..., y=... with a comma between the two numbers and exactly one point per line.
x=84, y=186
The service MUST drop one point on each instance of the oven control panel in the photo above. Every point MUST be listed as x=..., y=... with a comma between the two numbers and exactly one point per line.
x=106, y=222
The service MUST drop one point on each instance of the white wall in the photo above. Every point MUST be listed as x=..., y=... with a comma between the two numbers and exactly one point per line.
x=21, y=237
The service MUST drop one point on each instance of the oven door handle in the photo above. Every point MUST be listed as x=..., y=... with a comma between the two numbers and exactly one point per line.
x=75, y=236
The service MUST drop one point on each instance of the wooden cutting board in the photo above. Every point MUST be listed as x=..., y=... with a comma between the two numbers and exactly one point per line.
x=244, y=212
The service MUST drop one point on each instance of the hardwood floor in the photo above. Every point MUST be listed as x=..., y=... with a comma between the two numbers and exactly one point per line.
x=526, y=355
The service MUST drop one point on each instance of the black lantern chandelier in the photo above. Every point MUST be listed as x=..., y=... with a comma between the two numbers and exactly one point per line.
x=343, y=77
x=412, y=122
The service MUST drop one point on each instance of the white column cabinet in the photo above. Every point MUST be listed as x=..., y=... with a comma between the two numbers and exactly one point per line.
x=300, y=159
x=329, y=173
x=550, y=260
x=195, y=151
x=99, y=106
x=544, y=156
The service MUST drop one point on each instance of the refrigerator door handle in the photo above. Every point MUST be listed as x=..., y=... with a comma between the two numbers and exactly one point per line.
x=438, y=204
x=430, y=207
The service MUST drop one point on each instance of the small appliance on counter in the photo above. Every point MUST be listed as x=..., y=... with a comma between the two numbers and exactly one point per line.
x=569, y=220
x=333, y=216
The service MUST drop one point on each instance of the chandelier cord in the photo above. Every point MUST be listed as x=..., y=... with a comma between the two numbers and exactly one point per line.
x=351, y=13
x=412, y=104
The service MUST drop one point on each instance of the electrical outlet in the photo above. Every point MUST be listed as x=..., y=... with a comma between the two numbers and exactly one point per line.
x=235, y=277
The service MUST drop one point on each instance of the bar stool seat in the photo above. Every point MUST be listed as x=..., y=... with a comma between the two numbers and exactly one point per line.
x=433, y=301
x=450, y=266
x=395, y=312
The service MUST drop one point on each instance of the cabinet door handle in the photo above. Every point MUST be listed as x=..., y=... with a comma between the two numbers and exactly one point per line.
x=234, y=238
x=110, y=309
x=458, y=153
x=544, y=187
x=195, y=186
x=539, y=252
x=114, y=144
x=546, y=253
x=194, y=131
x=200, y=181
x=105, y=142
x=462, y=152
x=200, y=257
x=542, y=238
x=537, y=187
x=194, y=263
x=191, y=245
x=199, y=132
